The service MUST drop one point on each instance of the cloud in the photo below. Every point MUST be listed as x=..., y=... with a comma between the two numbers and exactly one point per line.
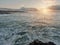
x=55, y=7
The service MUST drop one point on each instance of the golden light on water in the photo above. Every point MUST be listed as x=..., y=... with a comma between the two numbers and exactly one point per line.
x=45, y=16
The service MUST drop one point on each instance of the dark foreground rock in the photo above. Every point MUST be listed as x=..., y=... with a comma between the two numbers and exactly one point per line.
x=37, y=42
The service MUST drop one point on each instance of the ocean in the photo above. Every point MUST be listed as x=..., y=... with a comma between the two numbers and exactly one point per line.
x=23, y=28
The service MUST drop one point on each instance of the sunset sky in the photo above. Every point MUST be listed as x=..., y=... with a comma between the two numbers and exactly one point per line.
x=26, y=3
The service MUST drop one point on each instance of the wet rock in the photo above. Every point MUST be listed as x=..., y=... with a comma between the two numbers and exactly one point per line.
x=37, y=42
x=51, y=43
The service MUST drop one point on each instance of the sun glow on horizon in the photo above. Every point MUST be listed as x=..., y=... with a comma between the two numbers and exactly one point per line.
x=45, y=4
x=44, y=10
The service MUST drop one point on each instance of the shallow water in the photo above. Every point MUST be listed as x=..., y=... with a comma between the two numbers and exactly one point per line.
x=23, y=28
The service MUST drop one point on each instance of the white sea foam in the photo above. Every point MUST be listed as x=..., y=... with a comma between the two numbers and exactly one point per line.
x=24, y=28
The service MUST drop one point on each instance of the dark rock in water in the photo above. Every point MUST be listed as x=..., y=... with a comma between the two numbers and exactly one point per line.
x=37, y=42
x=51, y=43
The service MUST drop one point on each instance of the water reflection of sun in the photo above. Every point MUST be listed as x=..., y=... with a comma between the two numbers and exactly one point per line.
x=45, y=16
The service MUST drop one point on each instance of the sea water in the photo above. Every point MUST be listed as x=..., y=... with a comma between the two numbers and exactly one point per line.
x=23, y=28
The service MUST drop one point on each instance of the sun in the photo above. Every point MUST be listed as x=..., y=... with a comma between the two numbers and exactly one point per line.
x=44, y=10
x=45, y=4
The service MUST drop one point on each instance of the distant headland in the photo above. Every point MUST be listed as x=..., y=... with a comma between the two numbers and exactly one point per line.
x=21, y=10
